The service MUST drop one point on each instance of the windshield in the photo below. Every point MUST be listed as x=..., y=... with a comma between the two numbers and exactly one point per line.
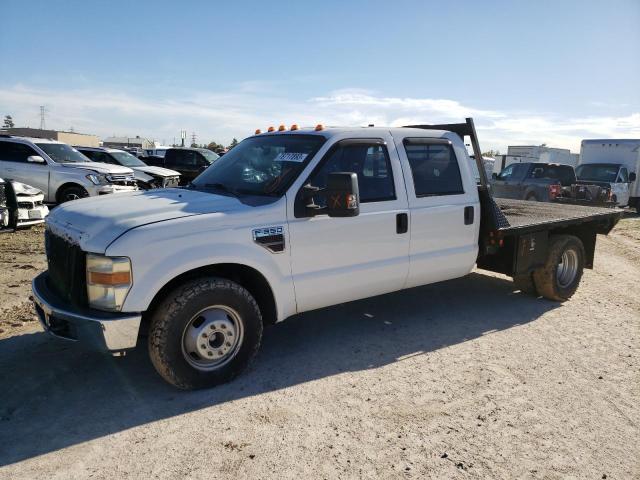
x=598, y=173
x=261, y=165
x=62, y=153
x=209, y=155
x=126, y=159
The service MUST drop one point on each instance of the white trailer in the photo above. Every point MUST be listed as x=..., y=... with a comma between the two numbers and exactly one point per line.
x=623, y=154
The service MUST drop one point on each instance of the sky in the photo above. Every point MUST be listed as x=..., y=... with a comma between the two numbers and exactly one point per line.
x=529, y=73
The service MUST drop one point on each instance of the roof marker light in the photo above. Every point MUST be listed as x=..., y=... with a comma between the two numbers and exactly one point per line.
x=319, y=127
x=294, y=127
x=258, y=131
x=282, y=128
x=271, y=129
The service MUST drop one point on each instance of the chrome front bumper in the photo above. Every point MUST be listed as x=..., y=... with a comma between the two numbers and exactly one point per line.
x=103, y=331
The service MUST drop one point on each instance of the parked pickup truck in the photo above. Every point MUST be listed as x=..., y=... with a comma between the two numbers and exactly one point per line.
x=292, y=221
x=189, y=162
x=146, y=176
x=547, y=182
x=60, y=171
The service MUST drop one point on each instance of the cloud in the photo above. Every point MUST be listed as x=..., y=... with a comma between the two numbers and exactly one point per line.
x=221, y=116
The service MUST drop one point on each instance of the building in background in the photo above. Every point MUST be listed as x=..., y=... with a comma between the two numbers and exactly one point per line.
x=71, y=138
x=130, y=142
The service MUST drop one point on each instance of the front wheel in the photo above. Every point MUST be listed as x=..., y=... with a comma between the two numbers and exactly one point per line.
x=73, y=192
x=559, y=278
x=204, y=333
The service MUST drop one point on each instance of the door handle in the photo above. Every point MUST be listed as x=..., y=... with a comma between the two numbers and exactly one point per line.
x=402, y=223
x=468, y=215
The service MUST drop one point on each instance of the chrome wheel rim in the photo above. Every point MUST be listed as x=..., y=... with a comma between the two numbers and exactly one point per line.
x=567, y=268
x=212, y=338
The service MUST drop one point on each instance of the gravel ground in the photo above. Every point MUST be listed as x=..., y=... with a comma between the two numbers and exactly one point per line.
x=462, y=379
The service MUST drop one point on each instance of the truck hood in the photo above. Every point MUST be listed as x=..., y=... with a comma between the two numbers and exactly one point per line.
x=104, y=168
x=157, y=171
x=93, y=223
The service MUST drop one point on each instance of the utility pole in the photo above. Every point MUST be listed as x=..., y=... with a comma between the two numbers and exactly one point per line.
x=193, y=138
x=43, y=112
x=183, y=135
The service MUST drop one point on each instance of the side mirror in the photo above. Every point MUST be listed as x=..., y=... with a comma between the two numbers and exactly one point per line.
x=8, y=207
x=632, y=177
x=35, y=159
x=494, y=176
x=343, y=197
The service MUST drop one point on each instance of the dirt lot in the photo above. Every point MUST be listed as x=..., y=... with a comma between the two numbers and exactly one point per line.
x=462, y=379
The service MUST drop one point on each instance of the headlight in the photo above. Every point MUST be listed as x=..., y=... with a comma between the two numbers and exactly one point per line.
x=109, y=280
x=97, y=179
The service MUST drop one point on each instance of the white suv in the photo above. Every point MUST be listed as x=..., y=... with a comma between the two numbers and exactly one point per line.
x=59, y=170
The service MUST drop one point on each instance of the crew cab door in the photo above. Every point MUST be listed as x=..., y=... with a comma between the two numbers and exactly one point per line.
x=335, y=260
x=444, y=208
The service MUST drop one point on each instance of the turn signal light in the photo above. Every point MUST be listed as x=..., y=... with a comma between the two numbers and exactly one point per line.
x=319, y=127
x=294, y=127
x=282, y=128
x=115, y=278
x=271, y=129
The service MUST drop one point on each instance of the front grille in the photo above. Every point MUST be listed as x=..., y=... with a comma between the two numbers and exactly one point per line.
x=27, y=205
x=122, y=179
x=66, y=263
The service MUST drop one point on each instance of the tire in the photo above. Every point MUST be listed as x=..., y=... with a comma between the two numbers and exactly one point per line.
x=525, y=284
x=559, y=278
x=73, y=192
x=532, y=197
x=211, y=308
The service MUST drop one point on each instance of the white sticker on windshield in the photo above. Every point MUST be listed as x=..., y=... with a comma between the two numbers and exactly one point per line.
x=291, y=157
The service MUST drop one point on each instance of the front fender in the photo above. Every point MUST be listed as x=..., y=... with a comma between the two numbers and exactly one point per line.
x=156, y=262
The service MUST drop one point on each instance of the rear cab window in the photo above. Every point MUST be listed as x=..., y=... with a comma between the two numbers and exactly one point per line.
x=434, y=167
x=563, y=173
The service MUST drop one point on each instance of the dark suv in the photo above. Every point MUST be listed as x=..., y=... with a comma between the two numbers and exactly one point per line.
x=190, y=162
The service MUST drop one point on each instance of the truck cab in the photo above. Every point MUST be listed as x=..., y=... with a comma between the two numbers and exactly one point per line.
x=616, y=176
x=60, y=171
x=616, y=162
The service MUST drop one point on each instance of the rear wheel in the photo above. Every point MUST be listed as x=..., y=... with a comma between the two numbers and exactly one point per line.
x=559, y=278
x=532, y=197
x=204, y=333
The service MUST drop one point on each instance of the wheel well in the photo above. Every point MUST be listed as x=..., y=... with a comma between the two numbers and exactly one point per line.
x=248, y=277
x=64, y=186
